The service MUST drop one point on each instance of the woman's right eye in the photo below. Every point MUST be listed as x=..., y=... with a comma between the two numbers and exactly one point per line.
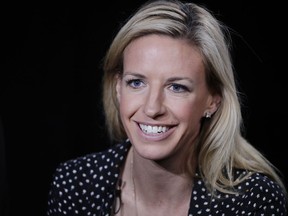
x=134, y=83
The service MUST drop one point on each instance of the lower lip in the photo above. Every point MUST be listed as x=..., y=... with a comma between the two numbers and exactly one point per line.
x=155, y=137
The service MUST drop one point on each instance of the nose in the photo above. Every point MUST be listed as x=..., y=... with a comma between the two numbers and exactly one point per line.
x=154, y=103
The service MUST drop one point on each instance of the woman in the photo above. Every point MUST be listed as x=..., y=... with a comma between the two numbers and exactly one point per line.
x=172, y=108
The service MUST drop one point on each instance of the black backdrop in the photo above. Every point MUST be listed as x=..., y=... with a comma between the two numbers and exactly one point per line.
x=50, y=87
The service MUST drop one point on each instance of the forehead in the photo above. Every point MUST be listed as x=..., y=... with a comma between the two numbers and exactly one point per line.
x=161, y=54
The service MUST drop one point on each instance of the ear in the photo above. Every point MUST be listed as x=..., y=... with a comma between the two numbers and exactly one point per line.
x=118, y=87
x=212, y=105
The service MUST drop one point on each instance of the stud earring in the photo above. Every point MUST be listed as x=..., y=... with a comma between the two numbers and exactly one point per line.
x=207, y=115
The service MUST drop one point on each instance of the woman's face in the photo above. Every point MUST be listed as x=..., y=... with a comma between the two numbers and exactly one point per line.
x=162, y=95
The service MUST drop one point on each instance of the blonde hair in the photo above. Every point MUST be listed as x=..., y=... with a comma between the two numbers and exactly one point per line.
x=221, y=146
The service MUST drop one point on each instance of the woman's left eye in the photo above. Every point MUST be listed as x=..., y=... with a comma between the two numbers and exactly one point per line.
x=178, y=88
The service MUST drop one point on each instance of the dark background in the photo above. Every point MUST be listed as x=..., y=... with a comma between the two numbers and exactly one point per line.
x=50, y=87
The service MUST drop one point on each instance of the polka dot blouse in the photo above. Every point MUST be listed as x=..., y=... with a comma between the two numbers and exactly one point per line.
x=86, y=186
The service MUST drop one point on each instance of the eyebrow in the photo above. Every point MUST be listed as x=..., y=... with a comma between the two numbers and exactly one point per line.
x=171, y=79
x=134, y=74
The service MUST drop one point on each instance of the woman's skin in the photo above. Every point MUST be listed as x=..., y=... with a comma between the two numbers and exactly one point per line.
x=162, y=97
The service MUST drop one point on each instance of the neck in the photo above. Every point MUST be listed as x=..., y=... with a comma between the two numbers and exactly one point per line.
x=157, y=188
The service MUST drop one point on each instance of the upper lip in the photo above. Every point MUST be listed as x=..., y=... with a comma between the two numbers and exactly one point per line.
x=156, y=124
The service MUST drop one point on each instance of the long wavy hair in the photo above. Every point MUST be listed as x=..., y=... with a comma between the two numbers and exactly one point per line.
x=221, y=145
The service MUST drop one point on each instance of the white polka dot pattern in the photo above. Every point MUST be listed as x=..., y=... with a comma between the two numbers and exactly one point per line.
x=86, y=186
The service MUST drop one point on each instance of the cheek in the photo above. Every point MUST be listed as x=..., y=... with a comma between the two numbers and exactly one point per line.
x=122, y=99
x=118, y=89
x=122, y=105
x=183, y=112
x=187, y=112
x=127, y=104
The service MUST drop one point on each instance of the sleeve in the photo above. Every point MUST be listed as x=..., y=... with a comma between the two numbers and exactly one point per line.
x=56, y=195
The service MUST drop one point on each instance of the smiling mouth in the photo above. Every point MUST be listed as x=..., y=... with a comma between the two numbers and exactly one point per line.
x=149, y=129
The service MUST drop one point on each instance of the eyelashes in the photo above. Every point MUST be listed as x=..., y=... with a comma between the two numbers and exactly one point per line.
x=134, y=83
x=174, y=87
x=178, y=88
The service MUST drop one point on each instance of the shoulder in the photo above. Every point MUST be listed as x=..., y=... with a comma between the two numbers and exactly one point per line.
x=93, y=163
x=256, y=194
x=107, y=158
x=260, y=193
x=258, y=184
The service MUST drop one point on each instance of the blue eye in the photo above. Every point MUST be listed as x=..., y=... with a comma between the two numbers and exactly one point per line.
x=178, y=88
x=134, y=83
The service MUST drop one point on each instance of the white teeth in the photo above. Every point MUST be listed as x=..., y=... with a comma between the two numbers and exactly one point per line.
x=153, y=129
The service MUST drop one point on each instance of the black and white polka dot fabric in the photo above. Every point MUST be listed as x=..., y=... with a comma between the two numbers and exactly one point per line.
x=86, y=186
